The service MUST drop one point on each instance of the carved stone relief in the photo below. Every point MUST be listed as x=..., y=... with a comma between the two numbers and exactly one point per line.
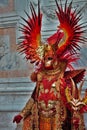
x=8, y=60
x=4, y=46
x=49, y=11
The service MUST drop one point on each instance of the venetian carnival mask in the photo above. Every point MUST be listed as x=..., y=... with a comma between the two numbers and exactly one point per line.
x=49, y=57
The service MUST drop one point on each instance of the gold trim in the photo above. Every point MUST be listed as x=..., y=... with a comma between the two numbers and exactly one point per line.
x=52, y=72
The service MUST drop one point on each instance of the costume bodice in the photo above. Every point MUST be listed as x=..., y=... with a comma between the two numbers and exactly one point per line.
x=48, y=92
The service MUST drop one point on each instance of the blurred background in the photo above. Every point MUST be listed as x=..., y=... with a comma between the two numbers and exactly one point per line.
x=15, y=84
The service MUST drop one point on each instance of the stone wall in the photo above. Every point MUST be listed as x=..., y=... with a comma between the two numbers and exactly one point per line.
x=14, y=93
x=15, y=85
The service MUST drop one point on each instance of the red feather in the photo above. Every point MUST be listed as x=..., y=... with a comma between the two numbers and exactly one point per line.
x=73, y=31
x=77, y=75
x=31, y=35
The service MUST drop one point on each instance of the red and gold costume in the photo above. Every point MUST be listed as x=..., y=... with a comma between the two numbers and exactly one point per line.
x=56, y=103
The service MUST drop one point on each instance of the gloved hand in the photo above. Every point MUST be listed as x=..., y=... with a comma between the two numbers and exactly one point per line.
x=17, y=119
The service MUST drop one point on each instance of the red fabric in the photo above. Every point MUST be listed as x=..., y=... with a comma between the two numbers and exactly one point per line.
x=55, y=37
x=76, y=122
x=47, y=96
x=17, y=118
x=47, y=84
x=83, y=109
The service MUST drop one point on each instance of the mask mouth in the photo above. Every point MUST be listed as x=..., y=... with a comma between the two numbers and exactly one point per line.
x=48, y=63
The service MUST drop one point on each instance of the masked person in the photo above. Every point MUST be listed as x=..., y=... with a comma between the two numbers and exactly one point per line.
x=55, y=102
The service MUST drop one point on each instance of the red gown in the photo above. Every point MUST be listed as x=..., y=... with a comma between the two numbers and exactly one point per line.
x=46, y=109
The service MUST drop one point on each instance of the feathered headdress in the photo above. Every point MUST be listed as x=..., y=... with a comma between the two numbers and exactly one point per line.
x=65, y=42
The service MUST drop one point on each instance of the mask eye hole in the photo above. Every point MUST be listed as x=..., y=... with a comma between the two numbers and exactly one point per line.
x=50, y=58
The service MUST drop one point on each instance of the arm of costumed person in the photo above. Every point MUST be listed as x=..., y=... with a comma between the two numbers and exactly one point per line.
x=29, y=44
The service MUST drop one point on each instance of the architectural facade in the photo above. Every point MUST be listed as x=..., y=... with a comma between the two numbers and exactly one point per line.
x=15, y=85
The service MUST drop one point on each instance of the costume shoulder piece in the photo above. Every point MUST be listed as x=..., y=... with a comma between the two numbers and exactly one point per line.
x=77, y=75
